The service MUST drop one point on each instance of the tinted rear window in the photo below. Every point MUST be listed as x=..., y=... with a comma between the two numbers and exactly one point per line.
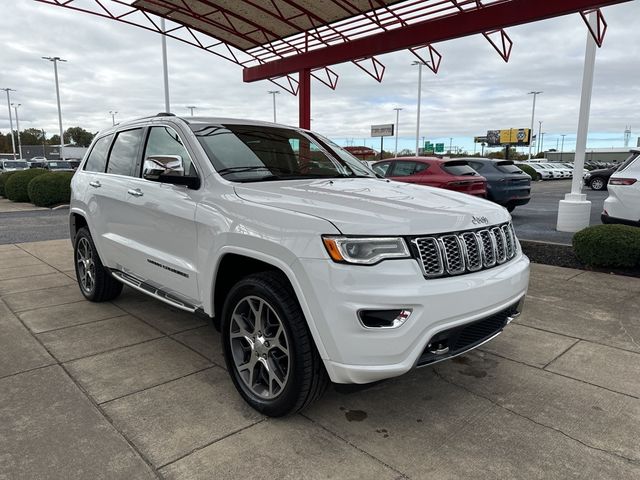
x=458, y=168
x=508, y=167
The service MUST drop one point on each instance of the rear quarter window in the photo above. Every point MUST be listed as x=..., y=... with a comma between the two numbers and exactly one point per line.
x=98, y=157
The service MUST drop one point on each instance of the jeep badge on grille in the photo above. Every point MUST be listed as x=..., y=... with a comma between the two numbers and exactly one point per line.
x=479, y=220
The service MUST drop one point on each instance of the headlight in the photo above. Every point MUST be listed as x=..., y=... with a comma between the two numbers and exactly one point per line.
x=365, y=251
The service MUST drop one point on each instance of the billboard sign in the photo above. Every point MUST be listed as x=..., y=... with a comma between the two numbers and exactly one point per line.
x=512, y=136
x=385, y=130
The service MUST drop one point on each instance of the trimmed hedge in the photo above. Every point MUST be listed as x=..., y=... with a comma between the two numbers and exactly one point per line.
x=528, y=169
x=3, y=179
x=608, y=246
x=50, y=189
x=16, y=187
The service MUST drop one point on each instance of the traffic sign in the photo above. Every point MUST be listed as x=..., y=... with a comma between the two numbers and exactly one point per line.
x=440, y=147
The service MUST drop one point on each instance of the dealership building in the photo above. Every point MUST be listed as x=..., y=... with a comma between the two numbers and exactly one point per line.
x=605, y=155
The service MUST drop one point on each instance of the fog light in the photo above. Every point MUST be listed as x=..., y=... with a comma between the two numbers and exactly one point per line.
x=383, y=318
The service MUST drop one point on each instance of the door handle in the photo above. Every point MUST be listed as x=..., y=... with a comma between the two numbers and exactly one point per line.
x=135, y=193
x=95, y=184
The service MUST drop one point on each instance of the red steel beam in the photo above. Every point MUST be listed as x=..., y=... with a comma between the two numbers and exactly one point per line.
x=472, y=22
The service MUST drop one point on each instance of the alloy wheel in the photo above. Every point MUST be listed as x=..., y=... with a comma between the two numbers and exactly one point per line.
x=86, y=266
x=260, y=347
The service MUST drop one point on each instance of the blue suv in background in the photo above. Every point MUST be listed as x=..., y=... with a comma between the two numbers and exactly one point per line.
x=507, y=185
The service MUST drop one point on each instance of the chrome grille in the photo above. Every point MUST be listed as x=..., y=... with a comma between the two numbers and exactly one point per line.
x=465, y=252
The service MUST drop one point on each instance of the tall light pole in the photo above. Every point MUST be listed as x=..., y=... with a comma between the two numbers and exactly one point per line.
x=55, y=61
x=533, y=114
x=15, y=108
x=450, y=145
x=562, y=147
x=273, y=93
x=538, y=137
x=542, y=141
x=13, y=142
x=44, y=140
x=420, y=64
x=165, y=68
x=397, y=109
x=113, y=117
x=192, y=108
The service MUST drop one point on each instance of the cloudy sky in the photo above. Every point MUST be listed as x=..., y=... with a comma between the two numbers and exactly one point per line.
x=112, y=66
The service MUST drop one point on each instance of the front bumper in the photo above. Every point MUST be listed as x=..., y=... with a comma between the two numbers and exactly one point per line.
x=335, y=293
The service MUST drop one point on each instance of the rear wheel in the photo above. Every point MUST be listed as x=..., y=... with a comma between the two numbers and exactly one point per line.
x=597, y=183
x=95, y=281
x=268, y=349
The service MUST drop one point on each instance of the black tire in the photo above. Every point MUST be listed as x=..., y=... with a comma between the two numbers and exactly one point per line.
x=306, y=378
x=103, y=287
x=538, y=177
x=597, y=183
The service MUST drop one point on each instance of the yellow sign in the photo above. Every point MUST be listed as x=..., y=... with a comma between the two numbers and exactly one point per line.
x=512, y=136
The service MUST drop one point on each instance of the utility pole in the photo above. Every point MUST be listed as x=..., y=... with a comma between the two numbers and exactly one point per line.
x=13, y=142
x=55, y=61
x=397, y=109
x=44, y=140
x=562, y=147
x=113, y=117
x=538, y=137
x=273, y=93
x=420, y=64
x=533, y=114
x=15, y=108
x=450, y=145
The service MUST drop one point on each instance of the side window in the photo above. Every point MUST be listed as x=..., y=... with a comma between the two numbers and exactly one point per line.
x=165, y=141
x=382, y=168
x=98, y=156
x=420, y=167
x=404, y=169
x=124, y=152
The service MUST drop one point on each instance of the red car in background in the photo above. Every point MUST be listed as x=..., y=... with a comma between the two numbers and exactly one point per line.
x=435, y=172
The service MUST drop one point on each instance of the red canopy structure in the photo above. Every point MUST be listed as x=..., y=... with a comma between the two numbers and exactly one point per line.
x=277, y=39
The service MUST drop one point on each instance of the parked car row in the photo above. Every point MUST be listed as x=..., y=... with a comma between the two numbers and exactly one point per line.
x=550, y=171
x=39, y=162
x=500, y=181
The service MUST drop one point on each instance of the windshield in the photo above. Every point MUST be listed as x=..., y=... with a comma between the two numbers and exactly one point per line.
x=254, y=153
x=12, y=164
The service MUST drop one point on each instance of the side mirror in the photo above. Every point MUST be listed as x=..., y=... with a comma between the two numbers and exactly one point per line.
x=156, y=166
x=168, y=169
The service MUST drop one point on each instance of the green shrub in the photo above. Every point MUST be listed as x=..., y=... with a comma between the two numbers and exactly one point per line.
x=50, y=189
x=608, y=246
x=16, y=187
x=3, y=179
x=528, y=169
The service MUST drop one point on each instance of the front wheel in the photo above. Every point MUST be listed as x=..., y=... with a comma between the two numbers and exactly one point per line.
x=268, y=349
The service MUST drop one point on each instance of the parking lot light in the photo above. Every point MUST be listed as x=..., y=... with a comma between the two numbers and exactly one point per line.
x=55, y=61
x=420, y=64
x=273, y=93
x=15, y=108
x=397, y=109
x=533, y=114
x=13, y=142
x=113, y=117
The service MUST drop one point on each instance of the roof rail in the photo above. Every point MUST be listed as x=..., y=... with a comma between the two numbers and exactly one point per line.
x=165, y=114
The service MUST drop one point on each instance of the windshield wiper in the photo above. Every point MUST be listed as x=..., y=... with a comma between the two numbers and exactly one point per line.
x=252, y=168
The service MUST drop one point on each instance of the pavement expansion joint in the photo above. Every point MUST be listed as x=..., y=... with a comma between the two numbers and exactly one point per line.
x=339, y=437
x=550, y=427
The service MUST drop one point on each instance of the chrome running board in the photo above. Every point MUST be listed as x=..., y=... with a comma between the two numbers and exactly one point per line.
x=152, y=291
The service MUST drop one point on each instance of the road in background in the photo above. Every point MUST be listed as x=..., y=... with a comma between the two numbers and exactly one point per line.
x=537, y=219
x=534, y=221
x=33, y=226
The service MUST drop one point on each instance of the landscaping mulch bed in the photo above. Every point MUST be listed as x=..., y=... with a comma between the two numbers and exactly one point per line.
x=561, y=255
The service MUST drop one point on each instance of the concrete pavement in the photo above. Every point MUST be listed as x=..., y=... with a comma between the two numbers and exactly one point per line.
x=136, y=389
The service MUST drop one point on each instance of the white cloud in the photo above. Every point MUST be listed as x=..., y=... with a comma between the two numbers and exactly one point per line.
x=112, y=66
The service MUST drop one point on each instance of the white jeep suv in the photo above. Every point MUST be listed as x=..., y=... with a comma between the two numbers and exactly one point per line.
x=312, y=266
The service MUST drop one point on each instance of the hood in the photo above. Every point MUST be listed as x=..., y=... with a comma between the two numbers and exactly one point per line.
x=367, y=206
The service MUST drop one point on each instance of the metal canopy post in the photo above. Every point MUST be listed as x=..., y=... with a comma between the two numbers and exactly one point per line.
x=574, y=211
x=304, y=99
